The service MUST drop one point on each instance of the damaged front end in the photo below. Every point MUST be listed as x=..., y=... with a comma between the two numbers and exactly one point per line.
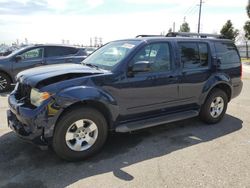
x=33, y=108
x=35, y=124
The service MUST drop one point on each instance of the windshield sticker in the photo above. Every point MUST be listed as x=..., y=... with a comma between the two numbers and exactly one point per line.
x=129, y=46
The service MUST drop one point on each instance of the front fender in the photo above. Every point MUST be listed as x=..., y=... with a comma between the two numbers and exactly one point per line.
x=212, y=82
x=76, y=94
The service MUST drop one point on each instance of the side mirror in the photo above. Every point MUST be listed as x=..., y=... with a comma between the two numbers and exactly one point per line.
x=18, y=58
x=140, y=66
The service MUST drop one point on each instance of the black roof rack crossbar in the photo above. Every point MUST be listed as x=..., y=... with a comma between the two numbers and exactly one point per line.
x=201, y=35
x=138, y=36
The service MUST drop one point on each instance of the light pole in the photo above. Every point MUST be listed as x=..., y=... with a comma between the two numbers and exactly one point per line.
x=199, y=19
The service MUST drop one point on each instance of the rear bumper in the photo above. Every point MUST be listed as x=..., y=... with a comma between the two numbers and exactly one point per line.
x=32, y=124
x=236, y=90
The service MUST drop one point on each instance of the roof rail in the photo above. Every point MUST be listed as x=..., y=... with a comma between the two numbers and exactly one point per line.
x=138, y=36
x=199, y=35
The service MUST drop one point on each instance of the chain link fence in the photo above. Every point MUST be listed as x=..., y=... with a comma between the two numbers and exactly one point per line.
x=243, y=50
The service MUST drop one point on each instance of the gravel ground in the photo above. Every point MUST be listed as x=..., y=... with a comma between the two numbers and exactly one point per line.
x=183, y=154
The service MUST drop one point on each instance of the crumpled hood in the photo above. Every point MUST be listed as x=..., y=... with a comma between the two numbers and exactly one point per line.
x=49, y=74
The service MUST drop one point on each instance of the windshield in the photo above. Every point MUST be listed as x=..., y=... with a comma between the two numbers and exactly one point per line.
x=111, y=54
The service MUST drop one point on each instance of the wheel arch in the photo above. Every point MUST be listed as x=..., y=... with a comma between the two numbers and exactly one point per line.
x=219, y=81
x=226, y=88
x=76, y=97
x=97, y=105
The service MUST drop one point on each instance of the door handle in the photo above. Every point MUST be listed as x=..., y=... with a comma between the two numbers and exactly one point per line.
x=171, y=77
x=69, y=60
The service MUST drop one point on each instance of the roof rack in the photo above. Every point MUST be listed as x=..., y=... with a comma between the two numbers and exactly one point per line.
x=198, y=35
x=138, y=36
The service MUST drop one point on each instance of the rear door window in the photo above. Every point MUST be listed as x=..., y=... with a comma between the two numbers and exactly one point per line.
x=194, y=54
x=227, y=53
x=60, y=51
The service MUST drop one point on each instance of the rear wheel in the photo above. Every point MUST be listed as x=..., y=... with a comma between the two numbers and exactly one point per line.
x=214, y=107
x=79, y=134
x=5, y=82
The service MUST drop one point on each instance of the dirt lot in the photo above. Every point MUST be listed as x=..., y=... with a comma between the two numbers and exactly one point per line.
x=183, y=154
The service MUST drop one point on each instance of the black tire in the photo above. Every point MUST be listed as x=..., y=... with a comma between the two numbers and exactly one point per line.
x=205, y=114
x=59, y=142
x=5, y=82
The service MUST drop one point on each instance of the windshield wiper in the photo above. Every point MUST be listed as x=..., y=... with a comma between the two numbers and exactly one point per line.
x=90, y=65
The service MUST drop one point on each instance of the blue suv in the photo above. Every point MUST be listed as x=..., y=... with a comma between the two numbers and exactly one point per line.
x=34, y=56
x=124, y=86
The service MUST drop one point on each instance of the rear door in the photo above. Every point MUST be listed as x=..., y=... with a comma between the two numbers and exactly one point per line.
x=60, y=54
x=195, y=61
x=30, y=58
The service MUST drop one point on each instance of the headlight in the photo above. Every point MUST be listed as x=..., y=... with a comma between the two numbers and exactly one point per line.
x=36, y=97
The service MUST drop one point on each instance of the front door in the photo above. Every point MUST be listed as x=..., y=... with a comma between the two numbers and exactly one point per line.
x=154, y=90
x=31, y=58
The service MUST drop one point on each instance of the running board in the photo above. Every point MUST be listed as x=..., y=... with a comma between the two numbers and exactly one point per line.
x=141, y=124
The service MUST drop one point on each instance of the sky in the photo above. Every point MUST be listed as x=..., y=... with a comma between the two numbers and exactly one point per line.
x=51, y=21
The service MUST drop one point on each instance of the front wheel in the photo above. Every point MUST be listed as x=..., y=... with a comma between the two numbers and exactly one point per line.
x=5, y=82
x=215, y=106
x=79, y=134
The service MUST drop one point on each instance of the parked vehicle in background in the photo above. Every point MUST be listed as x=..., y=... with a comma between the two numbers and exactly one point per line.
x=89, y=50
x=35, y=56
x=6, y=50
x=124, y=86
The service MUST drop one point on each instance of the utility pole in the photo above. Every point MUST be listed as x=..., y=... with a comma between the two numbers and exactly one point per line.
x=174, y=25
x=199, y=19
x=90, y=42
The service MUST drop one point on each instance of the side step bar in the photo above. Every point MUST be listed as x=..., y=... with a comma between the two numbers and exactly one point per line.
x=141, y=124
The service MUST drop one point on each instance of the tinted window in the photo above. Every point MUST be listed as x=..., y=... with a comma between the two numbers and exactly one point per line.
x=194, y=55
x=33, y=54
x=60, y=51
x=203, y=53
x=158, y=55
x=227, y=53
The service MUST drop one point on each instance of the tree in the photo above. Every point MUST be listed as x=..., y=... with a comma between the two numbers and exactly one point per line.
x=248, y=10
x=184, y=27
x=228, y=31
x=247, y=29
x=247, y=35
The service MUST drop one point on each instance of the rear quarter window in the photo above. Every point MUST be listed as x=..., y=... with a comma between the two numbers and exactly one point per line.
x=227, y=53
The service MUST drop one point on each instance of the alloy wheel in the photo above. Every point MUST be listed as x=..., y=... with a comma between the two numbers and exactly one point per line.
x=81, y=135
x=217, y=107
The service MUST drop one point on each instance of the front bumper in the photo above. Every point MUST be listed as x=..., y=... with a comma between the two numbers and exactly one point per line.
x=32, y=124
